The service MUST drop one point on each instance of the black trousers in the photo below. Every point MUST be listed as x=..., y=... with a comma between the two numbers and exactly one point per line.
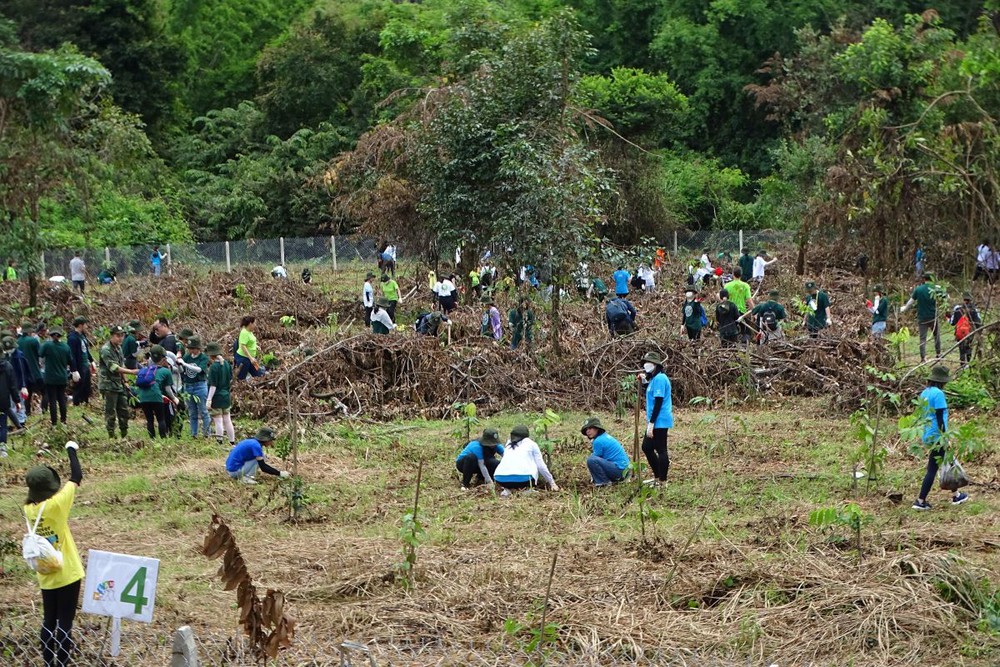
x=932, y=469
x=56, y=395
x=59, y=610
x=655, y=449
x=468, y=465
x=155, y=412
x=83, y=388
x=514, y=486
x=693, y=334
x=392, y=311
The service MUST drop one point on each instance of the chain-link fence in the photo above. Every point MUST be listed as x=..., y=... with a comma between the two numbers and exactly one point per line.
x=339, y=252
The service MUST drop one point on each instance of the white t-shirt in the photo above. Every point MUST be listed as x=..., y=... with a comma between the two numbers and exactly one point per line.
x=391, y=251
x=758, y=267
x=279, y=272
x=982, y=254
x=446, y=289
x=523, y=459
x=368, y=295
x=77, y=269
x=383, y=317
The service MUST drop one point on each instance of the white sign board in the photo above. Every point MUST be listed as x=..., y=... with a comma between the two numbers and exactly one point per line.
x=120, y=586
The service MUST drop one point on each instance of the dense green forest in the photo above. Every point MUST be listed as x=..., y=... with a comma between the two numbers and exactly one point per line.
x=126, y=121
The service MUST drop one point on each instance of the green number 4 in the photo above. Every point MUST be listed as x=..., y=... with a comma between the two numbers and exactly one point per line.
x=135, y=589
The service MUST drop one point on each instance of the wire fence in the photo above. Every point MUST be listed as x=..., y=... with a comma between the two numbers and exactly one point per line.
x=334, y=252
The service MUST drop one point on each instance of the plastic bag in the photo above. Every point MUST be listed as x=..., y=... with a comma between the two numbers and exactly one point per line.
x=952, y=476
x=38, y=552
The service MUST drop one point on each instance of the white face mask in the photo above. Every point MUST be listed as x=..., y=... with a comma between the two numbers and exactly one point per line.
x=649, y=368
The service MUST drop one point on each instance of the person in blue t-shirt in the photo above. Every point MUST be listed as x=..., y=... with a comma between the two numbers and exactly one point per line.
x=248, y=455
x=659, y=417
x=621, y=278
x=479, y=459
x=935, y=407
x=608, y=463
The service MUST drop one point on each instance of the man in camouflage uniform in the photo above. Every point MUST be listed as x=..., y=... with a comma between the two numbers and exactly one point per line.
x=111, y=382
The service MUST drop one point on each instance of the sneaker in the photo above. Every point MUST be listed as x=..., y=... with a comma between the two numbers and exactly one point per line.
x=3, y=451
x=959, y=498
x=921, y=505
x=652, y=481
x=505, y=493
x=248, y=480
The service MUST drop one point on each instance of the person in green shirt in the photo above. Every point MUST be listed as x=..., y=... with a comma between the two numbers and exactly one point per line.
x=474, y=282
x=151, y=397
x=246, y=350
x=879, y=308
x=739, y=291
x=924, y=295
x=194, y=371
x=11, y=272
x=31, y=347
x=130, y=346
x=745, y=267
x=390, y=292
x=55, y=354
x=817, y=315
x=693, y=313
x=768, y=316
x=111, y=372
x=522, y=323
x=220, y=402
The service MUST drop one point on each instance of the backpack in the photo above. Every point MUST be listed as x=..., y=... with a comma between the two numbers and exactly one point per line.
x=146, y=377
x=37, y=551
x=704, y=318
x=963, y=327
x=236, y=346
x=485, y=328
x=768, y=320
x=616, y=310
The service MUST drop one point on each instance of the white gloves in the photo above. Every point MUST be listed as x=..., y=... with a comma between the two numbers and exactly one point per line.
x=903, y=309
x=284, y=474
x=649, y=430
x=554, y=487
x=75, y=375
x=72, y=445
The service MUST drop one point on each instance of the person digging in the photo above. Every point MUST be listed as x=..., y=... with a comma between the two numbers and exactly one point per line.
x=248, y=456
x=479, y=460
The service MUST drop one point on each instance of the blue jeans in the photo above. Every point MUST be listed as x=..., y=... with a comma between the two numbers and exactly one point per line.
x=244, y=368
x=17, y=410
x=603, y=471
x=156, y=269
x=197, y=406
x=3, y=428
x=249, y=469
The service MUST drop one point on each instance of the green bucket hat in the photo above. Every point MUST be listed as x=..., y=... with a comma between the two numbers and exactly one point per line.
x=27, y=327
x=8, y=343
x=490, y=437
x=264, y=435
x=967, y=296
x=810, y=285
x=185, y=334
x=369, y=275
x=157, y=353
x=56, y=331
x=519, y=432
x=592, y=422
x=116, y=329
x=194, y=343
x=213, y=349
x=80, y=319
x=653, y=358
x=878, y=288
x=384, y=278
x=486, y=299
x=940, y=374
x=382, y=302
x=774, y=293
x=43, y=483
x=135, y=323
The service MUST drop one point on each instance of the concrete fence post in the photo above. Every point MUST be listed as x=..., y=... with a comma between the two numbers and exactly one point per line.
x=741, y=241
x=170, y=260
x=675, y=242
x=333, y=251
x=107, y=254
x=281, y=246
x=185, y=651
x=229, y=264
x=43, y=266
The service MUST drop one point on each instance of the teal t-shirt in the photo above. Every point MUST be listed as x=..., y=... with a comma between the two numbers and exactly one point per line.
x=162, y=380
x=926, y=304
x=56, y=356
x=220, y=376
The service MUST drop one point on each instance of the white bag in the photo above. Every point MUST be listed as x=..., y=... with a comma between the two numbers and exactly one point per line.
x=37, y=551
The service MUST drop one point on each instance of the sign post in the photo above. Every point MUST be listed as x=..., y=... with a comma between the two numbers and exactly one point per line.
x=120, y=586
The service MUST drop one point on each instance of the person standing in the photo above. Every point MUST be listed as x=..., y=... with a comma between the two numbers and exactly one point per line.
x=608, y=463
x=47, y=509
x=55, y=354
x=476, y=288
x=390, y=292
x=368, y=296
x=10, y=273
x=659, y=417
x=111, y=383
x=965, y=330
x=692, y=313
x=446, y=290
x=194, y=369
x=739, y=292
x=621, y=278
x=919, y=259
x=130, y=346
x=156, y=261
x=927, y=320
x=78, y=271
x=479, y=459
x=759, y=266
x=220, y=402
x=245, y=359
x=817, y=315
x=491, y=326
x=30, y=347
x=81, y=362
x=162, y=335
x=153, y=398
x=768, y=316
x=247, y=457
x=522, y=323
x=879, y=308
x=727, y=317
x=10, y=393
x=983, y=253
x=935, y=408
x=745, y=263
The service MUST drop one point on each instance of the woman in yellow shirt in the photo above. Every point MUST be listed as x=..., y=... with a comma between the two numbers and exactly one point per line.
x=60, y=589
x=246, y=362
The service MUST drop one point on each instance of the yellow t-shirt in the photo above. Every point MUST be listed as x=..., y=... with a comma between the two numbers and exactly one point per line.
x=248, y=340
x=54, y=526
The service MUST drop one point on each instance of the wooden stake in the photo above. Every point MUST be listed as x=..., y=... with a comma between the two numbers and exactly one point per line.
x=545, y=604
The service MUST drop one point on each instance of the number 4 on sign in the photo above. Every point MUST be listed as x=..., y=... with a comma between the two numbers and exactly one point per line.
x=120, y=586
x=134, y=589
